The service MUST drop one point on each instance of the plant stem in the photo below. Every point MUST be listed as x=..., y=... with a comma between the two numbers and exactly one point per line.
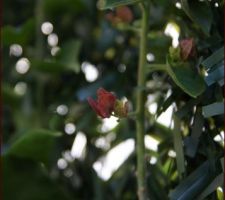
x=156, y=67
x=140, y=130
x=39, y=15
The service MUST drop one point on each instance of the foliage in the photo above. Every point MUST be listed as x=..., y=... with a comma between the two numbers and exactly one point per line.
x=34, y=135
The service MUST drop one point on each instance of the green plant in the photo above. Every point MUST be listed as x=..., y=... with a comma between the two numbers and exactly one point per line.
x=46, y=113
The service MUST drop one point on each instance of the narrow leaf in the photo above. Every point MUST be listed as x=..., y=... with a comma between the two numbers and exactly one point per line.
x=215, y=58
x=183, y=111
x=215, y=75
x=193, y=184
x=213, y=109
x=178, y=147
x=191, y=142
x=218, y=181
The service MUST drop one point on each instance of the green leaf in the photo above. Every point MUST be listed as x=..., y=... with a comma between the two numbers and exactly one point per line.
x=66, y=60
x=21, y=35
x=106, y=4
x=218, y=181
x=215, y=58
x=35, y=145
x=178, y=146
x=26, y=180
x=213, y=109
x=9, y=96
x=199, y=12
x=186, y=78
x=194, y=184
x=191, y=142
x=48, y=66
x=68, y=55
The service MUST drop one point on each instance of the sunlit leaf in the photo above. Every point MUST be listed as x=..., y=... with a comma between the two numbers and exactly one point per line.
x=219, y=194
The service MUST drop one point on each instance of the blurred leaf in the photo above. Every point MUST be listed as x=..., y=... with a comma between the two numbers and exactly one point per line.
x=26, y=180
x=68, y=55
x=154, y=184
x=213, y=109
x=106, y=4
x=178, y=146
x=215, y=75
x=9, y=96
x=186, y=78
x=221, y=82
x=158, y=44
x=194, y=184
x=222, y=163
x=48, y=66
x=215, y=58
x=21, y=35
x=35, y=145
x=57, y=7
x=191, y=143
x=218, y=181
x=187, y=108
x=162, y=108
x=200, y=12
x=67, y=59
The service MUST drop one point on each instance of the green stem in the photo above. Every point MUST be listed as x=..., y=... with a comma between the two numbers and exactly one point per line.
x=140, y=105
x=39, y=15
x=156, y=67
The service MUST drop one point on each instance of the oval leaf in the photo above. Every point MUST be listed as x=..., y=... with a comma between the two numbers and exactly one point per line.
x=186, y=78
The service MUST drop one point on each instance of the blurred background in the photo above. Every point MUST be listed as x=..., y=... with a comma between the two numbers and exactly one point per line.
x=55, y=55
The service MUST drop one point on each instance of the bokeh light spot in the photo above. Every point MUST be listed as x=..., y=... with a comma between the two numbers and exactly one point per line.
x=47, y=28
x=22, y=65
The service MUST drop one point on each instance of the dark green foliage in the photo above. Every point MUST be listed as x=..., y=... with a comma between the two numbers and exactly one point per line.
x=34, y=137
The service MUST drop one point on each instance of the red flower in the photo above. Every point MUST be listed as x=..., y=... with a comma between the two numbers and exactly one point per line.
x=104, y=105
